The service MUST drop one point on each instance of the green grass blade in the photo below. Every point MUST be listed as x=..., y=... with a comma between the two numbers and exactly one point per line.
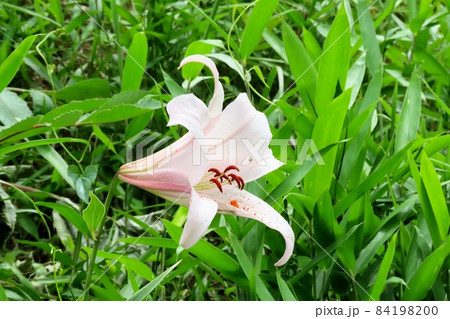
x=383, y=272
x=285, y=291
x=327, y=131
x=142, y=293
x=261, y=289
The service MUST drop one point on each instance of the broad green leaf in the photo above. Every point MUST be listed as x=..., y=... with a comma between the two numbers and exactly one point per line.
x=300, y=63
x=142, y=293
x=383, y=272
x=21, y=126
x=410, y=115
x=327, y=131
x=93, y=214
x=102, y=137
x=67, y=119
x=84, y=89
x=334, y=62
x=427, y=273
x=12, y=108
x=9, y=67
x=56, y=161
x=311, y=45
x=425, y=202
x=255, y=26
x=84, y=106
x=56, y=9
x=191, y=70
x=135, y=63
x=435, y=195
x=70, y=214
x=173, y=86
x=276, y=44
x=134, y=264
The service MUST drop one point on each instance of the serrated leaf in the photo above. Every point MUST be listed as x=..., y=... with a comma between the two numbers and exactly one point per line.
x=114, y=114
x=67, y=119
x=84, y=89
x=12, y=108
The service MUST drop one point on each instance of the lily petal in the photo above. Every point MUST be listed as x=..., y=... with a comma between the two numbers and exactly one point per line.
x=200, y=215
x=244, y=129
x=189, y=111
x=242, y=203
x=216, y=103
x=178, y=156
x=170, y=184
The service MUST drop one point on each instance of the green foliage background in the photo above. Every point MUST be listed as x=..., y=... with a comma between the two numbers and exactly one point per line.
x=366, y=81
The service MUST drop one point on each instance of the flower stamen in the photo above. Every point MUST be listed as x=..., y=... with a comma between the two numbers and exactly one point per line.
x=216, y=172
x=220, y=178
x=230, y=168
x=215, y=181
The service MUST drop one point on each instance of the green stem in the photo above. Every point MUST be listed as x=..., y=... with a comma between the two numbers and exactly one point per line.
x=114, y=183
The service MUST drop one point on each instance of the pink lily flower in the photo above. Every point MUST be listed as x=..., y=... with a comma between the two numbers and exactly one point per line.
x=207, y=168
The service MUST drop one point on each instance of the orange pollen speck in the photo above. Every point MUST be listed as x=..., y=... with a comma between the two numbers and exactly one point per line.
x=234, y=203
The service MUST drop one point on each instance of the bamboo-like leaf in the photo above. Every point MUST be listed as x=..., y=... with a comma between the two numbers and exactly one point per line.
x=142, y=293
x=334, y=62
x=383, y=272
x=427, y=273
x=254, y=28
x=435, y=195
x=12, y=63
x=410, y=115
x=134, y=68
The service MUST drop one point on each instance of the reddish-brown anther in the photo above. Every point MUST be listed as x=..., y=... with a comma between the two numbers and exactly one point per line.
x=235, y=178
x=230, y=168
x=215, y=171
x=215, y=181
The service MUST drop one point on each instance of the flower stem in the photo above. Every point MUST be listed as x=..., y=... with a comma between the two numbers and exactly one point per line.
x=114, y=183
